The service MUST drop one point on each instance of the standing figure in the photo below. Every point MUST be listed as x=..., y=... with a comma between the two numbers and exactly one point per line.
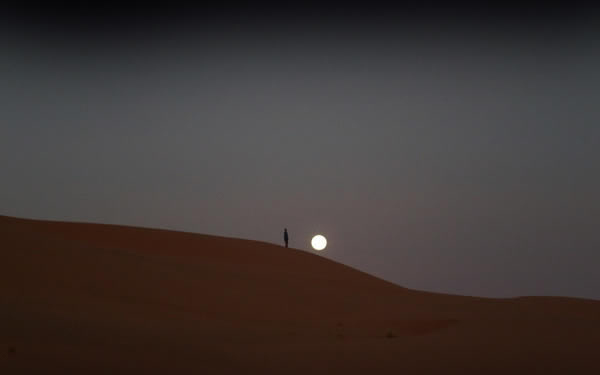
x=285, y=237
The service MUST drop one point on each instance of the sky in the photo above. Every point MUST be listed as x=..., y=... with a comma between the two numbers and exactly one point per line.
x=453, y=150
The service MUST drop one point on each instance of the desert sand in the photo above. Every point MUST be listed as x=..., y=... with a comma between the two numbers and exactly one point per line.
x=103, y=299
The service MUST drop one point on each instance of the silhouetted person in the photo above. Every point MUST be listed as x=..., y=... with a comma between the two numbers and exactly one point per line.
x=285, y=237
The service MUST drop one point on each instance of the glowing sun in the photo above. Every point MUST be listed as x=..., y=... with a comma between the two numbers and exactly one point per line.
x=318, y=242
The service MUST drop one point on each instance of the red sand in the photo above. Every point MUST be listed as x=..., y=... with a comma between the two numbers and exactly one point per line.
x=89, y=298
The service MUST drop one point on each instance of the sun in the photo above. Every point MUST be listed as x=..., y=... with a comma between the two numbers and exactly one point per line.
x=319, y=242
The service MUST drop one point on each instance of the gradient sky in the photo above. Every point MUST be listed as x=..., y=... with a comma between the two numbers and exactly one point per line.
x=452, y=152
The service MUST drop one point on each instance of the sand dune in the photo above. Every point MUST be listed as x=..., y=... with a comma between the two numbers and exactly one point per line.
x=89, y=298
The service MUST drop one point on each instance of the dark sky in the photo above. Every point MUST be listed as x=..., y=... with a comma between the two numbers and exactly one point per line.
x=450, y=149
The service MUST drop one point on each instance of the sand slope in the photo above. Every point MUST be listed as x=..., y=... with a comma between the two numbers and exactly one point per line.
x=89, y=298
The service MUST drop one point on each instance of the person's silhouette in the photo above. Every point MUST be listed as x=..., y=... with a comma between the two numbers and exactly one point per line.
x=285, y=236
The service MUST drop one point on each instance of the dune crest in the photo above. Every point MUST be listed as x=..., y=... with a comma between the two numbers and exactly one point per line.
x=97, y=298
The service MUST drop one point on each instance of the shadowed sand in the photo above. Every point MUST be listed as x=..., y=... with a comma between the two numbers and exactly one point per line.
x=89, y=298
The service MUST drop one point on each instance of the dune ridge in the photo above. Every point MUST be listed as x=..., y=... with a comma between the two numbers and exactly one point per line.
x=96, y=298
